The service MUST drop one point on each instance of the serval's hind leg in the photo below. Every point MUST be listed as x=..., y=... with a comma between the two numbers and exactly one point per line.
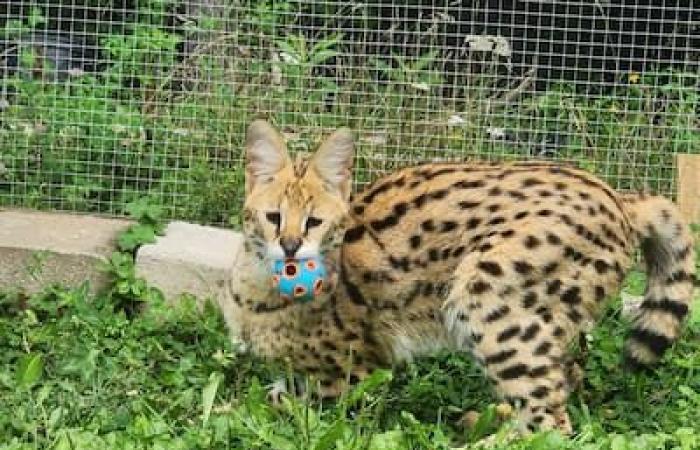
x=512, y=336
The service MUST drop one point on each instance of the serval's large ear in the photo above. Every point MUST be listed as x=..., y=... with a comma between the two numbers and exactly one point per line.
x=265, y=154
x=333, y=162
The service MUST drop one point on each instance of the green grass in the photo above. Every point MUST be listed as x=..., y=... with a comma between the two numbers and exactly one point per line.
x=75, y=373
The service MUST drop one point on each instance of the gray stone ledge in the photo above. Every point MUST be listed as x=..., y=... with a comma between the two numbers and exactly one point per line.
x=38, y=249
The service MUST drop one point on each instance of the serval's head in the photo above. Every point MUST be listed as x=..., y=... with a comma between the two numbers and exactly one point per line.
x=295, y=209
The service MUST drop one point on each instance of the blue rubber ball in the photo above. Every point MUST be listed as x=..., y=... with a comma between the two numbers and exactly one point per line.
x=300, y=280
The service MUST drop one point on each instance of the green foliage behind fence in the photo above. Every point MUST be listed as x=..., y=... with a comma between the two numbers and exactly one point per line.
x=162, y=111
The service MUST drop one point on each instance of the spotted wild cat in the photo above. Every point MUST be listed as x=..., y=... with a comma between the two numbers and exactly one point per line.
x=510, y=262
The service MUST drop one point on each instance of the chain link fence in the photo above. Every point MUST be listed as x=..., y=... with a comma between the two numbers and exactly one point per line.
x=103, y=102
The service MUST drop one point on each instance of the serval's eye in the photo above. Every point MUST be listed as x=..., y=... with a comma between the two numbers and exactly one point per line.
x=312, y=222
x=274, y=218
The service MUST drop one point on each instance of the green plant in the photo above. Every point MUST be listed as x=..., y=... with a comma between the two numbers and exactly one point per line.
x=75, y=373
x=129, y=291
x=146, y=51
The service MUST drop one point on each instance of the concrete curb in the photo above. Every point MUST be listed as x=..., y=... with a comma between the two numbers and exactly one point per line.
x=38, y=249
x=189, y=259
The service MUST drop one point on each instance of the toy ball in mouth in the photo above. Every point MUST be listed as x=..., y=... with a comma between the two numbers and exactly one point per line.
x=300, y=279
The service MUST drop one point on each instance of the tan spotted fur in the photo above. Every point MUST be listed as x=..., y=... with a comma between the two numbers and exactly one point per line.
x=510, y=262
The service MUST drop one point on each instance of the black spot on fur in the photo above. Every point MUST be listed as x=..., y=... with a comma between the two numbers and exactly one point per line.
x=523, y=267
x=350, y=336
x=446, y=252
x=567, y=220
x=543, y=348
x=540, y=392
x=433, y=254
x=439, y=172
x=420, y=200
x=415, y=241
x=529, y=182
x=465, y=184
x=479, y=287
x=599, y=293
x=652, y=340
x=529, y=299
x=574, y=315
x=389, y=221
x=530, y=332
x=497, y=220
x=328, y=345
x=265, y=308
x=539, y=371
x=673, y=307
x=512, y=372
x=497, y=314
x=527, y=284
x=448, y=225
x=679, y=276
x=531, y=242
x=473, y=223
x=553, y=239
x=354, y=234
x=550, y=268
x=369, y=198
x=464, y=204
x=517, y=195
x=500, y=357
x=400, y=209
x=485, y=247
x=439, y=194
x=570, y=252
x=600, y=266
x=571, y=296
x=544, y=313
x=521, y=215
x=553, y=286
x=401, y=263
x=490, y=267
x=428, y=225
x=508, y=333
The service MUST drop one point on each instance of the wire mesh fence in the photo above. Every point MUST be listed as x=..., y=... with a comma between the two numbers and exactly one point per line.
x=103, y=102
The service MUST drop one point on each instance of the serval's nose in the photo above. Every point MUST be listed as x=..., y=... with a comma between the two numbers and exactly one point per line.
x=290, y=245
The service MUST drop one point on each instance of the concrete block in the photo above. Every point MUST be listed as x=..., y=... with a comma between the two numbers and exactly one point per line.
x=189, y=258
x=41, y=248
